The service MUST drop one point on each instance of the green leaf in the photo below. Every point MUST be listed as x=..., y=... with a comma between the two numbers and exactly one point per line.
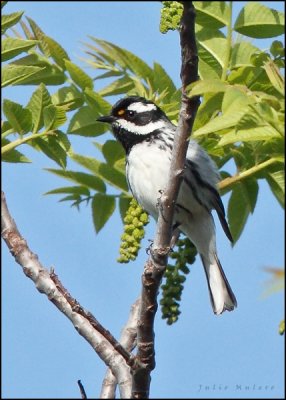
x=251, y=189
x=87, y=180
x=6, y=129
x=241, y=54
x=209, y=108
x=103, y=171
x=9, y=20
x=27, y=32
x=207, y=86
x=12, y=47
x=75, y=198
x=124, y=203
x=207, y=71
x=162, y=81
x=51, y=147
x=235, y=99
x=68, y=96
x=210, y=63
x=247, y=75
x=39, y=35
x=276, y=181
x=261, y=133
x=277, y=49
x=38, y=101
x=13, y=75
x=64, y=142
x=221, y=122
x=57, y=52
x=257, y=21
x=260, y=58
x=95, y=100
x=135, y=64
x=214, y=14
x=13, y=156
x=139, y=88
x=79, y=77
x=113, y=151
x=78, y=190
x=56, y=147
x=212, y=46
x=54, y=116
x=108, y=74
x=48, y=74
x=108, y=54
x=19, y=117
x=113, y=176
x=234, y=106
x=275, y=77
x=241, y=204
x=102, y=59
x=84, y=123
x=103, y=207
x=126, y=59
x=258, y=123
x=120, y=86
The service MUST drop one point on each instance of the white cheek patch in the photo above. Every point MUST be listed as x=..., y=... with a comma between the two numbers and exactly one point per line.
x=139, y=130
x=140, y=107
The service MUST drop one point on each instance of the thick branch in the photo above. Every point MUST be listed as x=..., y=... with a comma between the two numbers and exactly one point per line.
x=48, y=283
x=156, y=265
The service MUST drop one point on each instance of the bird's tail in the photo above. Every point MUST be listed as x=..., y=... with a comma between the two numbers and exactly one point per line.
x=221, y=295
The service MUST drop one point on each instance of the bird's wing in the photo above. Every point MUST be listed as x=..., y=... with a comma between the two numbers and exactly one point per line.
x=201, y=177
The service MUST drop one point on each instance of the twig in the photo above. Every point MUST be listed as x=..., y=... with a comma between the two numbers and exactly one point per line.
x=49, y=284
x=128, y=341
x=76, y=307
x=82, y=391
x=231, y=180
x=156, y=265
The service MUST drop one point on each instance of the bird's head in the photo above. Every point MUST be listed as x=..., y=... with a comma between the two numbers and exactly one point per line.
x=134, y=119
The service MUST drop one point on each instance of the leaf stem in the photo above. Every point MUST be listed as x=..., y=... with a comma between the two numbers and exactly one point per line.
x=10, y=146
x=225, y=183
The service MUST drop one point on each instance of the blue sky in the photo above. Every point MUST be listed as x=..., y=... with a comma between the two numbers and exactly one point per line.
x=236, y=355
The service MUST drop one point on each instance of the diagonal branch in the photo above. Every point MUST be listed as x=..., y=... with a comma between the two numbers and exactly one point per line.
x=105, y=345
x=156, y=265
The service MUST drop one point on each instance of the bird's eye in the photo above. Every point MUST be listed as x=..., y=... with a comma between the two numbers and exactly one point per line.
x=130, y=114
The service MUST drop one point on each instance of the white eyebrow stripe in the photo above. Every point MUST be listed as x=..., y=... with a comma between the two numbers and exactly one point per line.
x=141, y=107
x=140, y=130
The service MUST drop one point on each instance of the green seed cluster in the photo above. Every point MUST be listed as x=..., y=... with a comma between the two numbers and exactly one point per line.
x=171, y=14
x=174, y=277
x=134, y=220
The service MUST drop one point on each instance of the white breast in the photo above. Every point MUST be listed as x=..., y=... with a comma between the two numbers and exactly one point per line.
x=147, y=171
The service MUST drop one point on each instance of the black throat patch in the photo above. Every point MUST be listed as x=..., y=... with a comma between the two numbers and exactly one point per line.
x=129, y=139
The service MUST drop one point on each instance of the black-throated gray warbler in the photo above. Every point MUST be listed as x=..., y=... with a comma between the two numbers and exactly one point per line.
x=147, y=136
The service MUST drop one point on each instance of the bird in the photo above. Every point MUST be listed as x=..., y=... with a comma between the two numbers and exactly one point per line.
x=147, y=136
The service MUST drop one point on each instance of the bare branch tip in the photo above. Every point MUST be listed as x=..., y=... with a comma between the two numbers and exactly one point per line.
x=82, y=390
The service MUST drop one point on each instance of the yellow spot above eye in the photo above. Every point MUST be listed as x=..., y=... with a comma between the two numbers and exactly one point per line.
x=121, y=112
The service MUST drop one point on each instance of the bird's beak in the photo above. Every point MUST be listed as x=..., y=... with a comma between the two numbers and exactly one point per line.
x=106, y=118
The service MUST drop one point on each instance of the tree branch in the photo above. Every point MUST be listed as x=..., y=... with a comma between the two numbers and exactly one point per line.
x=107, y=348
x=156, y=265
x=82, y=391
x=128, y=341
